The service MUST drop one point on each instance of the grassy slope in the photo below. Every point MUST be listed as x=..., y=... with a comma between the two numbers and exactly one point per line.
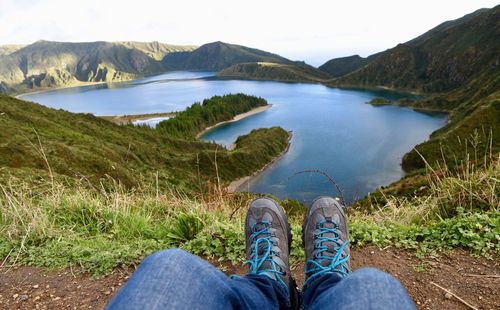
x=81, y=146
x=274, y=71
x=441, y=60
x=9, y=48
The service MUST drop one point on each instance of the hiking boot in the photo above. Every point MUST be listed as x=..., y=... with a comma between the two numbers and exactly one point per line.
x=268, y=239
x=326, y=239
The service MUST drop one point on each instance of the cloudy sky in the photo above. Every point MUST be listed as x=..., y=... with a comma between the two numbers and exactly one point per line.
x=312, y=30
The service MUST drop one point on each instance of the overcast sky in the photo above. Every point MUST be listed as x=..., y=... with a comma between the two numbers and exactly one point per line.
x=310, y=30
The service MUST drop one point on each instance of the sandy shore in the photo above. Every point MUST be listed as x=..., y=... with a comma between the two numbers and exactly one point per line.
x=238, y=184
x=236, y=118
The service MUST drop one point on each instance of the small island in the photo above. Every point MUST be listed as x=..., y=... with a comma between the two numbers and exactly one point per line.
x=381, y=101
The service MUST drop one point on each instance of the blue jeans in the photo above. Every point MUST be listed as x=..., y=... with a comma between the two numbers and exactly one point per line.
x=175, y=279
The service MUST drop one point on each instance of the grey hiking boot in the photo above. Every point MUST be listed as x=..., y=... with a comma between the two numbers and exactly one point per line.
x=268, y=239
x=326, y=239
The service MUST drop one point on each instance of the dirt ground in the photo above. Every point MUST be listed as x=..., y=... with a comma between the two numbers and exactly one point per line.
x=475, y=280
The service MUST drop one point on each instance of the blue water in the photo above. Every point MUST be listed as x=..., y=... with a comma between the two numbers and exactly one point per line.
x=334, y=131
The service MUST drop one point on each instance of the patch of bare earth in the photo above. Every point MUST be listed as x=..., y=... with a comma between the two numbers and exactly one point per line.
x=475, y=280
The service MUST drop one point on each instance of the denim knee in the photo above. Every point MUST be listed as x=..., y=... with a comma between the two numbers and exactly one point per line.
x=371, y=274
x=166, y=258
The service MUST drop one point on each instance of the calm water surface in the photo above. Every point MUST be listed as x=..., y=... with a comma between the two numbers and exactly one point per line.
x=359, y=145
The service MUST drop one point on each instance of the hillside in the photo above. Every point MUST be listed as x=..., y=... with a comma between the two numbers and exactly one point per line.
x=9, y=48
x=442, y=59
x=39, y=143
x=46, y=64
x=455, y=66
x=158, y=50
x=274, y=71
x=338, y=67
x=217, y=56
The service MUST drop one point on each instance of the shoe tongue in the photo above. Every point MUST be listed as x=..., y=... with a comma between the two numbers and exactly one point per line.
x=331, y=252
x=328, y=225
x=260, y=226
x=267, y=264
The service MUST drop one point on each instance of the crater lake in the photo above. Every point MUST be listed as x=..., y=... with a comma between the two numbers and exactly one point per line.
x=334, y=131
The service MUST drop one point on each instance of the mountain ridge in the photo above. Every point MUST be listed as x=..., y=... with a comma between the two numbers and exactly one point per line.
x=47, y=64
x=219, y=55
x=275, y=72
x=443, y=58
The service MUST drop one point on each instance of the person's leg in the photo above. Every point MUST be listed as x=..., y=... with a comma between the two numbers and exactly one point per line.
x=174, y=279
x=366, y=288
x=329, y=283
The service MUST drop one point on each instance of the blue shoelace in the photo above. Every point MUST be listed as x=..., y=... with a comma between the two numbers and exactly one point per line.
x=337, y=263
x=262, y=252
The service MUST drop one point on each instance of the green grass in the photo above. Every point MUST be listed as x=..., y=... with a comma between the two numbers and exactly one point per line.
x=57, y=226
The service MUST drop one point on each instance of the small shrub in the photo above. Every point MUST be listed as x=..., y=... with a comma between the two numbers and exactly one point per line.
x=185, y=228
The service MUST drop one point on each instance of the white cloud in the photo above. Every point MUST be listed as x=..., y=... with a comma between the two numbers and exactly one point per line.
x=314, y=30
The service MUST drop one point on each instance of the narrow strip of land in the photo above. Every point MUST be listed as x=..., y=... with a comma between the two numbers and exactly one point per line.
x=235, y=119
x=236, y=185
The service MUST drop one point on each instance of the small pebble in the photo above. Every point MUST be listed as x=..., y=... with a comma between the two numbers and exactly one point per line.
x=35, y=286
x=448, y=296
x=15, y=296
x=23, y=297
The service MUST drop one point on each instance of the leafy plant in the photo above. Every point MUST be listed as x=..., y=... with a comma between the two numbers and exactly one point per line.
x=185, y=228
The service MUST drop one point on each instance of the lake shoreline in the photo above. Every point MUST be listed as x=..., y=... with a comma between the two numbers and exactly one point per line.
x=235, y=119
x=25, y=92
x=235, y=185
x=49, y=89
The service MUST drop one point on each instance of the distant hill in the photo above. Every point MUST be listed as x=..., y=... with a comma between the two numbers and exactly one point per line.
x=47, y=64
x=217, y=56
x=338, y=67
x=274, y=71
